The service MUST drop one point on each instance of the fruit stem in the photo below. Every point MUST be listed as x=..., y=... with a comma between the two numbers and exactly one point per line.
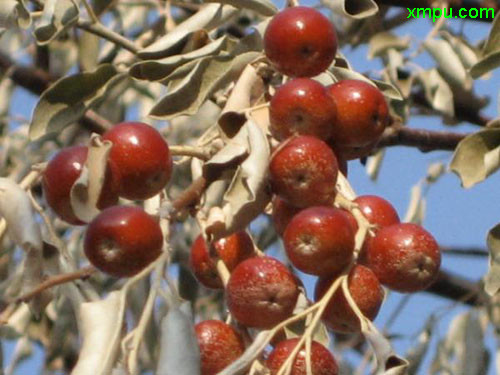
x=180, y=150
x=223, y=271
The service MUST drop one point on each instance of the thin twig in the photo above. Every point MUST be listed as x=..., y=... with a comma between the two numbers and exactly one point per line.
x=108, y=34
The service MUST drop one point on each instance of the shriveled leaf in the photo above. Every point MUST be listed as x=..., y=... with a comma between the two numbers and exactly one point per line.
x=374, y=164
x=57, y=16
x=490, y=52
x=101, y=326
x=437, y=91
x=492, y=278
x=16, y=209
x=388, y=90
x=88, y=51
x=467, y=54
x=388, y=362
x=69, y=98
x=357, y=9
x=263, y=7
x=87, y=189
x=383, y=41
x=477, y=156
x=208, y=18
x=416, y=208
x=416, y=353
x=208, y=75
x=14, y=12
x=156, y=70
x=179, y=350
x=449, y=64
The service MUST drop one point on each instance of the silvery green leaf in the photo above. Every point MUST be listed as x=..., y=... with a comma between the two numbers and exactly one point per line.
x=490, y=52
x=357, y=9
x=477, y=156
x=263, y=7
x=208, y=75
x=492, y=278
x=69, y=98
x=467, y=53
x=437, y=91
x=14, y=12
x=100, y=324
x=179, y=350
x=88, y=51
x=208, y=18
x=383, y=41
x=416, y=353
x=57, y=16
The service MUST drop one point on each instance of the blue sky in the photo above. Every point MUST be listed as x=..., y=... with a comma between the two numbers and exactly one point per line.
x=456, y=217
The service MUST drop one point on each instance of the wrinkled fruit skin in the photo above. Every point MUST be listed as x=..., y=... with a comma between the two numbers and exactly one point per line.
x=143, y=158
x=322, y=361
x=319, y=240
x=405, y=257
x=261, y=292
x=62, y=172
x=362, y=114
x=365, y=290
x=122, y=240
x=232, y=250
x=220, y=345
x=300, y=42
x=283, y=212
x=303, y=171
x=302, y=106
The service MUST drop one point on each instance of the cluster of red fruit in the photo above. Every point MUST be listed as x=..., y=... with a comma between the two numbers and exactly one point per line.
x=121, y=240
x=320, y=128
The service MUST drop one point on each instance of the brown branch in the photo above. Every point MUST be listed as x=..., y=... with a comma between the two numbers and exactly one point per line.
x=466, y=251
x=458, y=289
x=191, y=195
x=424, y=140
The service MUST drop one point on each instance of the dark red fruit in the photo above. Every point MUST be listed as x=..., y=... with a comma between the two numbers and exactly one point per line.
x=232, y=250
x=300, y=42
x=143, y=158
x=362, y=113
x=319, y=240
x=62, y=172
x=122, y=240
x=322, y=361
x=365, y=290
x=405, y=257
x=303, y=171
x=282, y=214
x=261, y=292
x=377, y=210
x=220, y=345
x=302, y=106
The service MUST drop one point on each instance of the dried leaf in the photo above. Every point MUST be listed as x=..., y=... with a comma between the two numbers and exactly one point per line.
x=101, y=326
x=416, y=208
x=208, y=18
x=477, y=156
x=208, y=75
x=492, y=278
x=416, y=354
x=467, y=54
x=383, y=41
x=490, y=52
x=88, y=51
x=57, y=16
x=14, y=12
x=179, y=350
x=357, y=9
x=69, y=98
x=86, y=190
x=437, y=91
x=263, y=7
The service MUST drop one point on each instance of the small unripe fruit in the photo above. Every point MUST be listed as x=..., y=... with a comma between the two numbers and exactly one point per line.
x=405, y=257
x=301, y=106
x=366, y=292
x=122, y=240
x=300, y=42
x=303, y=171
x=283, y=212
x=362, y=113
x=220, y=345
x=261, y=292
x=322, y=361
x=143, y=158
x=62, y=172
x=232, y=250
x=319, y=240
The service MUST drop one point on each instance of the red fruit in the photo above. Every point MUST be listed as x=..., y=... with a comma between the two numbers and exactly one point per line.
x=232, y=250
x=377, y=210
x=302, y=106
x=405, y=257
x=365, y=290
x=62, y=172
x=322, y=361
x=220, y=345
x=261, y=292
x=143, y=158
x=319, y=240
x=362, y=113
x=122, y=240
x=303, y=171
x=282, y=214
x=300, y=42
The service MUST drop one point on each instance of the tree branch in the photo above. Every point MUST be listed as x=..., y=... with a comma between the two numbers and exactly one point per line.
x=458, y=289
